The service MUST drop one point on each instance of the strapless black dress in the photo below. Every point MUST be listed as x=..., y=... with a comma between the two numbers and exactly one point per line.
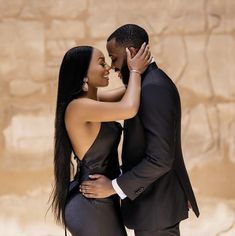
x=96, y=217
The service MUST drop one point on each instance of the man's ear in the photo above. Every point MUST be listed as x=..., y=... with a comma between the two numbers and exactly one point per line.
x=133, y=51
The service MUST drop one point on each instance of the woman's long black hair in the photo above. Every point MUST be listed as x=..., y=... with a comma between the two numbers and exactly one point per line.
x=73, y=69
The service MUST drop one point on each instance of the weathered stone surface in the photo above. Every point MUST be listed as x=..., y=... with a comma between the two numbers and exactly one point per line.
x=164, y=16
x=213, y=21
x=24, y=87
x=172, y=56
x=185, y=17
x=208, y=134
x=224, y=12
x=22, y=50
x=101, y=21
x=231, y=141
x=53, y=9
x=220, y=54
x=71, y=29
x=217, y=218
x=192, y=41
x=30, y=134
x=155, y=21
x=10, y=8
x=56, y=49
x=52, y=73
x=156, y=48
x=227, y=129
x=198, y=138
x=195, y=74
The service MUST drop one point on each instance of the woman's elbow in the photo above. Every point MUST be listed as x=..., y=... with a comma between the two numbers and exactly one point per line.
x=132, y=110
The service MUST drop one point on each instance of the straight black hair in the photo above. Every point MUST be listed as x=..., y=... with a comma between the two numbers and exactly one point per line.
x=73, y=69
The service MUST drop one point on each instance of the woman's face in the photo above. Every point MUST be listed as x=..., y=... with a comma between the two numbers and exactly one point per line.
x=98, y=70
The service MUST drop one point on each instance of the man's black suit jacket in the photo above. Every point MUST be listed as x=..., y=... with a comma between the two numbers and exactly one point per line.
x=154, y=177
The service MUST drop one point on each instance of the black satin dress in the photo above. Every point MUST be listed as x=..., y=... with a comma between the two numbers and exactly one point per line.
x=96, y=217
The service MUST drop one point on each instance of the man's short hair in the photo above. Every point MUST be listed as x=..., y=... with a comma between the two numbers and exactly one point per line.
x=130, y=35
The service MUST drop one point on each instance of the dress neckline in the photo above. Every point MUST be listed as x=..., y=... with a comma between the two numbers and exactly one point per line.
x=93, y=143
x=95, y=140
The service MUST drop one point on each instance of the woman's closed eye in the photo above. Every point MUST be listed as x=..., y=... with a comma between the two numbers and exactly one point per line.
x=103, y=64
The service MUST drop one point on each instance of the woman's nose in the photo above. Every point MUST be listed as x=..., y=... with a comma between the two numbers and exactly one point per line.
x=108, y=67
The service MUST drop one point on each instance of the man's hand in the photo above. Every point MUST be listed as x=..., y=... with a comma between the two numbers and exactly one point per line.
x=98, y=187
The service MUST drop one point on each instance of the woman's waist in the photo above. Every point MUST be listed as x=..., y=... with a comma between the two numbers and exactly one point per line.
x=74, y=191
x=83, y=173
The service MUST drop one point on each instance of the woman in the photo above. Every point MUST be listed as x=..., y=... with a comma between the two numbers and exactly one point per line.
x=84, y=126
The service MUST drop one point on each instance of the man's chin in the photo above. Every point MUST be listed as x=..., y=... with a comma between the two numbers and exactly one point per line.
x=120, y=75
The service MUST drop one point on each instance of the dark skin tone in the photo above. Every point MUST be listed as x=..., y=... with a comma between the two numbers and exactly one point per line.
x=99, y=186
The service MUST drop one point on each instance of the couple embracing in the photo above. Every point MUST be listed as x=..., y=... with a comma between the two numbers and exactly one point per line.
x=153, y=183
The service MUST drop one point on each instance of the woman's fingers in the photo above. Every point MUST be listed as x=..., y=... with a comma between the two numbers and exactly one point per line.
x=141, y=50
x=146, y=56
x=128, y=54
x=146, y=52
x=141, y=60
x=149, y=60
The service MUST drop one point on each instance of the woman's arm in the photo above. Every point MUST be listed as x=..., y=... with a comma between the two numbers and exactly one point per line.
x=85, y=109
x=113, y=95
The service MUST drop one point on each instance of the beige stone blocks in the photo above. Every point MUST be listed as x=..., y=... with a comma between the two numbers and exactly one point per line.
x=176, y=62
x=221, y=15
x=53, y=9
x=29, y=134
x=221, y=57
x=192, y=41
x=69, y=29
x=199, y=139
x=21, y=50
x=101, y=18
x=10, y=8
x=195, y=76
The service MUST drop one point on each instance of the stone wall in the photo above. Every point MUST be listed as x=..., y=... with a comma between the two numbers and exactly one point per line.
x=193, y=41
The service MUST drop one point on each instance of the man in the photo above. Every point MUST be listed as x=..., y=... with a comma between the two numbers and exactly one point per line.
x=155, y=188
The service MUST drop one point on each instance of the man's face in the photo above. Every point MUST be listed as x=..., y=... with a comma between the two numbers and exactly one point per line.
x=118, y=57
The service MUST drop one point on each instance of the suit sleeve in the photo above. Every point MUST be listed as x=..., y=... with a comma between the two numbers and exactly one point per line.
x=157, y=114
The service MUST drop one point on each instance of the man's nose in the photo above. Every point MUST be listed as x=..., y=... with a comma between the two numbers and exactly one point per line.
x=112, y=66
